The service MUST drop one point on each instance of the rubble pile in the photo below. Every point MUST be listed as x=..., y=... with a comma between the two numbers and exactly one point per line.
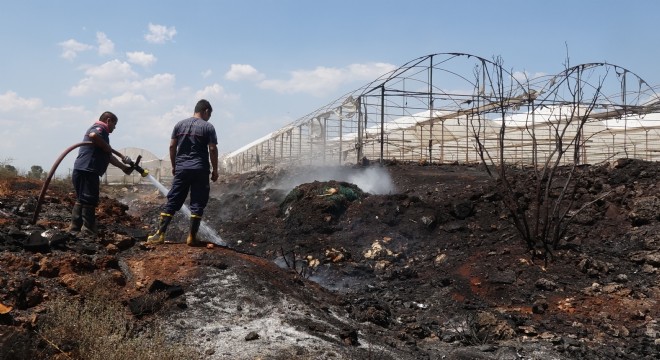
x=321, y=269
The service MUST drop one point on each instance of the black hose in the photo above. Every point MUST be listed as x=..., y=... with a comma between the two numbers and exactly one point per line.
x=50, y=176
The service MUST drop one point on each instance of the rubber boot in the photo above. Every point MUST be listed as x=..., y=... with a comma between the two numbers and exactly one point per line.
x=195, y=221
x=159, y=237
x=76, y=219
x=89, y=220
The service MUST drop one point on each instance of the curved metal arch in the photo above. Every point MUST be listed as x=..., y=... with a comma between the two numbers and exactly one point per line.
x=580, y=104
x=429, y=104
x=399, y=74
x=576, y=73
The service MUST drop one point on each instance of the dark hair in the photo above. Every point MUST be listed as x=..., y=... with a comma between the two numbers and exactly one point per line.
x=107, y=116
x=203, y=105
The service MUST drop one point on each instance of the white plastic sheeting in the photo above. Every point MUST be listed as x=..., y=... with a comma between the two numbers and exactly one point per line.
x=591, y=113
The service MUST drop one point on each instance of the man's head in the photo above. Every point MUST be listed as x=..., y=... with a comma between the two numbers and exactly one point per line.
x=204, y=109
x=110, y=119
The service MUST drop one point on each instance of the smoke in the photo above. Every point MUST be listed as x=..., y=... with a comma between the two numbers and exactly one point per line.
x=373, y=180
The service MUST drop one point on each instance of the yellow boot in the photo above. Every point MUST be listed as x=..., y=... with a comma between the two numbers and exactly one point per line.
x=195, y=221
x=159, y=237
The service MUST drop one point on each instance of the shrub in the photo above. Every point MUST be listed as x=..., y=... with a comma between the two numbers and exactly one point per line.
x=7, y=171
x=95, y=327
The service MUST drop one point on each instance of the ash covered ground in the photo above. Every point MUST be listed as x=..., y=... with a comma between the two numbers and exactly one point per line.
x=401, y=261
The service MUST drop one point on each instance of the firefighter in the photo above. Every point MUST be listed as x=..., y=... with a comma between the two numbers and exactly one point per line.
x=90, y=165
x=193, y=143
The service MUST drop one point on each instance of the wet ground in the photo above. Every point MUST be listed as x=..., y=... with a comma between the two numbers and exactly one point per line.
x=403, y=261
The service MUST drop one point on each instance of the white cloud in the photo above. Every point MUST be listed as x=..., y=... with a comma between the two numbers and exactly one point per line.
x=214, y=91
x=323, y=80
x=159, y=34
x=106, y=46
x=179, y=112
x=524, y=76
x=207, y=73
x=110, y=76
x=141, y=58
x=210, y=91
x=369, y=71
x=157, y=86
x=315, y=82
x=124, y=100
x=71, y=48
x=48, y=130
x=243, y=72
x=10, y=101
x=111, y=70
x=159, y=81
x=152, y=131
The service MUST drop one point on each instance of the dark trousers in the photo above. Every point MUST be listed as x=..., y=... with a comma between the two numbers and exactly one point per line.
x=87, y=185
x=194, y=181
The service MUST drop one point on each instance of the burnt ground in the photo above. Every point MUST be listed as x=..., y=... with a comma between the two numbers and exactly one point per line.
x=403, y=261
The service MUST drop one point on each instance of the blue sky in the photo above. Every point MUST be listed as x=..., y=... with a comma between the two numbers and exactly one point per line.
x=264, y=64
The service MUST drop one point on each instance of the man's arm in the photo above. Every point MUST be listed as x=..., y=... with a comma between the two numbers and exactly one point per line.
x=116, y=162
x=173, y=144
x=213, y=153
x=99, y=142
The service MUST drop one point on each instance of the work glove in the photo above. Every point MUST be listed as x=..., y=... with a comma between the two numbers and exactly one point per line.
x=127, y=160
x=128, y=170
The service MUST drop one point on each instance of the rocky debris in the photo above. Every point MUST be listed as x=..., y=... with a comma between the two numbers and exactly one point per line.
x=252, y=335
x=317, y=206
x=432, y=268
x=437, y=233
x=154, y=299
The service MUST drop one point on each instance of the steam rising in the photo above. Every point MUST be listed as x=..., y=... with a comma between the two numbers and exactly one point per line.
x=374, y=180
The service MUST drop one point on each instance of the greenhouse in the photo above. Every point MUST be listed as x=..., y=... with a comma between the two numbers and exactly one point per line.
x=446, y=108
x=462, y=108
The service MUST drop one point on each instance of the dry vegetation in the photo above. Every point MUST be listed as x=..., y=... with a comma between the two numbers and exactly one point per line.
x=98, y=327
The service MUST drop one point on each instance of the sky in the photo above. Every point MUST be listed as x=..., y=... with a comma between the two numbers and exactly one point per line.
x=264, y=64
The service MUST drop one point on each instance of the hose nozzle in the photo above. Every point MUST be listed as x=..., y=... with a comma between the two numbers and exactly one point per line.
x=141, y=171
x=135, y=165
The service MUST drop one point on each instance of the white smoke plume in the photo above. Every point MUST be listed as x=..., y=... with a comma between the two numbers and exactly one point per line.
x=373, y=180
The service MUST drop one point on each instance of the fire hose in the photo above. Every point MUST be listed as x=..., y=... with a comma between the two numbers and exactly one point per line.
x=134, y=166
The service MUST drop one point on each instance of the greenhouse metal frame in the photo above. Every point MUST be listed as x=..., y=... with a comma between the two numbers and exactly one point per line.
x=454, y=107
x=461, y=108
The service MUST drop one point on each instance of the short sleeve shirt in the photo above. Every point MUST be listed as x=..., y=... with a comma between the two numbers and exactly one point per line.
x=92, y=158
x=193, y=137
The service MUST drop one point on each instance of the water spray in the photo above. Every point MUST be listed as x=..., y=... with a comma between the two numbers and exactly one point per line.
x=210, y=235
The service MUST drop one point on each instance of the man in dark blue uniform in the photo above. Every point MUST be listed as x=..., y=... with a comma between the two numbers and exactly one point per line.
x=90, y=165
x=192, y=144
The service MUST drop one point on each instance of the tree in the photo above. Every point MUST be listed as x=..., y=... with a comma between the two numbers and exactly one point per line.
x=541, y=207
x=6, y=169
x=36, y=172
x=11, y=169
